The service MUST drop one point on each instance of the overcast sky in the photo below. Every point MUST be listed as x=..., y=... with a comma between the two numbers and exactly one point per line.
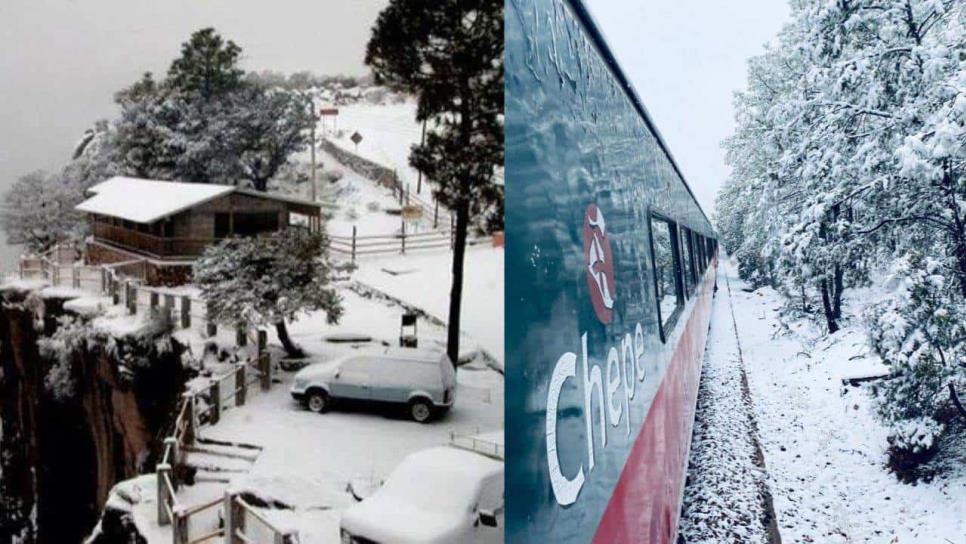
x=686, y=58
x=62, y=60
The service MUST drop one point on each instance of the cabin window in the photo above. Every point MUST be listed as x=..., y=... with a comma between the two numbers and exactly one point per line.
x=255, y=223
x=665, y=256
x=222, y=225
x=245, y=223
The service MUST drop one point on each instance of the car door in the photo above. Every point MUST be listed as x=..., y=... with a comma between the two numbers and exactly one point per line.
x=352, y=379
x=388, y=376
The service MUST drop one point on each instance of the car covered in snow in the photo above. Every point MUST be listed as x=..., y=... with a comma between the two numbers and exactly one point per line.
x=439, y=495
x=422, y=380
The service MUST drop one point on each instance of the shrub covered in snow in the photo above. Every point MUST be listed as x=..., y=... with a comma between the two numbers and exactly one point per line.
x=70, y=338
x=919, y=330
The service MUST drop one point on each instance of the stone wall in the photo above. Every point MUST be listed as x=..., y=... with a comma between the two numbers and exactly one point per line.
x=361, y=166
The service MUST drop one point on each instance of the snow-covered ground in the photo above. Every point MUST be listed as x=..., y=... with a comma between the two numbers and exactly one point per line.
x=308, y=460
x=824, y=448
x=725, y=499
x=355, y=201
x=423, y=279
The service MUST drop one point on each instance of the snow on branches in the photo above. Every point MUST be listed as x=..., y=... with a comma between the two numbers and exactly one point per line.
x=919, y=331
x=850, y=146
x=268, y=280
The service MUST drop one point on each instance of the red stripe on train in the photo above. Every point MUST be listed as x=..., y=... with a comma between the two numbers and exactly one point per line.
x=645, y=504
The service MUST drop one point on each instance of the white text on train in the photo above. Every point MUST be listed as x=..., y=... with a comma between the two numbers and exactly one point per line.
x=624, y=369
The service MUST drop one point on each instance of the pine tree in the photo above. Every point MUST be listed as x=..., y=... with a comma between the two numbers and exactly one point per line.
x=919, y=330
x=450, y=54
x=207, y=67
x=207, y=123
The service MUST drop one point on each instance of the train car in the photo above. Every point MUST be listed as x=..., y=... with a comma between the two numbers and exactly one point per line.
x=610, y=276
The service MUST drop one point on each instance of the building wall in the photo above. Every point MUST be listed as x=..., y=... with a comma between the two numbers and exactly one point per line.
x=99, y=253
x=199, y=222
x=154, y=273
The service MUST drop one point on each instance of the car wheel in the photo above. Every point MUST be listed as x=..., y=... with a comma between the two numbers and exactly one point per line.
x=318, y=402
x=420, y=410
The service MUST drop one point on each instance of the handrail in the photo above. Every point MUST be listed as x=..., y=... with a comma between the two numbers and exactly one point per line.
x=265, y=522
x=171, y=499
x=209, y=536
x=241, y=502
x=202, y=507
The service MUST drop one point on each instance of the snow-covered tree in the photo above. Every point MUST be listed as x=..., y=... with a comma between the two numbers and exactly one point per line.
x=207, y=123
x=827, y=156
x=38, y=212
x=208, y=66
x=919, y=330
x=449, y=53
x=268, y=280
x=268, y=127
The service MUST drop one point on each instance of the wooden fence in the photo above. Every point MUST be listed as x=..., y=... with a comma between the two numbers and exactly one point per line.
x=123, y=282
x=188, y=522
x=359, y=245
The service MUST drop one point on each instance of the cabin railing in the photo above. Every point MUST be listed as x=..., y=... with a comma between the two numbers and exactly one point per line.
x=159, y=246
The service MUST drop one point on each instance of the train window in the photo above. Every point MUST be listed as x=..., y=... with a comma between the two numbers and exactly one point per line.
x=702, y=254
x=665, y=256
x=688, y=260
x=707, y=252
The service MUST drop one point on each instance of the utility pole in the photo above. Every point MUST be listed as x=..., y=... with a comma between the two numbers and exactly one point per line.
x=315, y=121
x=419, y=179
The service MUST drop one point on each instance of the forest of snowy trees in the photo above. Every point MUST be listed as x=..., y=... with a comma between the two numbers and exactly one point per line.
x=848, y=163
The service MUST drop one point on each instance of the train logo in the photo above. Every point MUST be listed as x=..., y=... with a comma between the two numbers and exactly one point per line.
x=600, y=263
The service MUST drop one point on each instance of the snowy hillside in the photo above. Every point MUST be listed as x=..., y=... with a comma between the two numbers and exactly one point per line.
x=388, y=132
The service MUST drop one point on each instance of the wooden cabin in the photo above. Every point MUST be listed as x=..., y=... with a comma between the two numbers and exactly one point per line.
x=171, y=223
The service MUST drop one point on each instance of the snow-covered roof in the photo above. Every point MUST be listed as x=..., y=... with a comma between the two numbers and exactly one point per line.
x=146, y=200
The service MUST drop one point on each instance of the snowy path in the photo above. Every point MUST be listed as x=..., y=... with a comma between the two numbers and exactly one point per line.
x=726, y=495
x=824, y=448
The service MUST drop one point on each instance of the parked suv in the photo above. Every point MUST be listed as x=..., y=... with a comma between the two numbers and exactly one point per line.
x=424, y=380
x=440, y=495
